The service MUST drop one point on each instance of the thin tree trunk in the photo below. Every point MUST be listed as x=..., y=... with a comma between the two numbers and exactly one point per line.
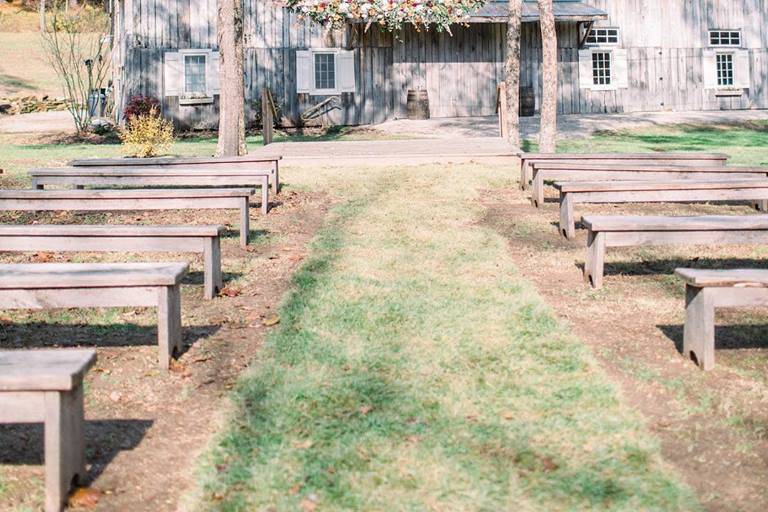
x=41, y=10
x=514, y=25
x=232, y=99
x=548, y=133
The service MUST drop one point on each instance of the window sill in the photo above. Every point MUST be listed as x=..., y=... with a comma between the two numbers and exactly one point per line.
x=196, y=101
x=726, y=93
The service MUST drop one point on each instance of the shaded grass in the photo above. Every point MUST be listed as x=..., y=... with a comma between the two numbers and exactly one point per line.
x=414, y=369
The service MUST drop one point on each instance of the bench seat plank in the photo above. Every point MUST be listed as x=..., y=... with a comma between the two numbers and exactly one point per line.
x=180, y=193
x=85, y=275
x=740, y=278
x=662, y=223
x=43, y=370
x=633, y=185
x=203, y=239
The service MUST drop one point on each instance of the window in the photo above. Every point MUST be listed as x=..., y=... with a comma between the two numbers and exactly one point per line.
x=603, y=35
x=195, y=75
x=730, y=38
x=325, y=71
x=724, y=69
x=601, y=68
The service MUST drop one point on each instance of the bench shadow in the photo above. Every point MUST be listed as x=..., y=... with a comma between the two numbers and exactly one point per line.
x=23, y=443
x=46, y=335
x=253, y=234
x=668, y=265
x=727, y=337
x=198, y=278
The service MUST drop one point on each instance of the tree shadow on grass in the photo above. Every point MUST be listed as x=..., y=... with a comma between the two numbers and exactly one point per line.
x=34, y=335
x=23, y=443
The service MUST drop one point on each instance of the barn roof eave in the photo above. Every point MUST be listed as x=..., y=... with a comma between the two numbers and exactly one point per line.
x=497, y=11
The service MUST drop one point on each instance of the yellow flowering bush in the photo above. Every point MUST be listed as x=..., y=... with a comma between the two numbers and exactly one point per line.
x=147, y=135
x=391, y=14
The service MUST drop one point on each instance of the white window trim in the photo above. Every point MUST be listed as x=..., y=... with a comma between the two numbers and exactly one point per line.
x=184, y=99
x=709, y=38
x=603, y=87
x=314, y=91
x=732, y=53
x=598, y=45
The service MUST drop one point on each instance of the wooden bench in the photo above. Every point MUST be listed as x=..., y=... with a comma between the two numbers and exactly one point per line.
x=197, y=239
x=46, y=386
x=548, y=172
x=101, y=285
x=707, y=290
x=630, y=231
x=699, y=159
x=133, y=177
x=247, y=163
x=117, y=200
x=673, y=191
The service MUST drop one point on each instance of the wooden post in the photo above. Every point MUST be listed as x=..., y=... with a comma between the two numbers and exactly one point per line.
x=267, y=119
x=699, y=330
x=595, y=263
x=212, y=264
x=501, y=108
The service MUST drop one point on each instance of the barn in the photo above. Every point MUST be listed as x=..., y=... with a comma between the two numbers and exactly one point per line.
x=615, y=56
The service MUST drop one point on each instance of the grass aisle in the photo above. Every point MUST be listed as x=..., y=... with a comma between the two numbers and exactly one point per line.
x=415, y=369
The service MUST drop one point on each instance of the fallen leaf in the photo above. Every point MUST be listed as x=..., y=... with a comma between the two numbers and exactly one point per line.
x=177, y=367
x=308, y=505
x=84, y=497
x=295, y=489
x=271, y=320
x=115, y=396
x=229, y=291
x=303, y=445
x=365, y=409
x=42, y=257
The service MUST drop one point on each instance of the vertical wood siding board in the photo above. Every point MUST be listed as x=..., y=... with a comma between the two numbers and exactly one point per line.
x=370, y=90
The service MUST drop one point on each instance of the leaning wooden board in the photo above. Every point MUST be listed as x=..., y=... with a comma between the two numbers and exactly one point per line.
x=526, y=159
x=142, y=199
x=101, y=285
x=705, y=291
x=46, y=386
x=111, y=238
x=673, y=191
x=559, y=171
x=247, y=162
x=632, y=231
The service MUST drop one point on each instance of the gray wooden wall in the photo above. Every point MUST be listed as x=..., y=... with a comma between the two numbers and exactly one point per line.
x=664, y=38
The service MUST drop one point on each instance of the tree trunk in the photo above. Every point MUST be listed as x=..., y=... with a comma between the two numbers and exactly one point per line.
x=232, y=99
x=548, y=133
x=41, y=10
x=514, y=25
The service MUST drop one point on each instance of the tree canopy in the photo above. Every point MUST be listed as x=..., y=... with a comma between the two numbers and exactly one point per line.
x=390, y=14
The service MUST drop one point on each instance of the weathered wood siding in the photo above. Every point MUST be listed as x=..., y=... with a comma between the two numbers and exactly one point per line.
x=665, y=40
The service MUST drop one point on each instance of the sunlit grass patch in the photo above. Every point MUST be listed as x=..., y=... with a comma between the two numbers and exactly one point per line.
x=415, y=369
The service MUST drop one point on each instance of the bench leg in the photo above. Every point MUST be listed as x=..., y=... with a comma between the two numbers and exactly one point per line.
x=761, y=205
x=265, y=196
x=64, y=445
x=594, y=264
x=212, y=267
x=537, y=193
x=276, y=179
x=699, y=330
x=525, y=176
x=244, y=223
x=168, y=323
x=567, y=222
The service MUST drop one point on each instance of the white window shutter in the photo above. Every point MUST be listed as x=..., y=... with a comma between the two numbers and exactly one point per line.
x=619, y=69
x=742, y=77
x=213, y=69
x=585, y=69
x=173, y=74
x=709, y=64
x=346, y=69
x=304, y=71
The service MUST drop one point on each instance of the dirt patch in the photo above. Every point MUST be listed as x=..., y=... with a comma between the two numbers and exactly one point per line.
x=713, y=427
x=145, y=427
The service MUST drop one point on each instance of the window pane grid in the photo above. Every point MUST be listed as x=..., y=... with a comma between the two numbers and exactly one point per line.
x=603, y=36
x=724, y=38
x=601, y=68
x=724, y=69
x=325, y=71
x=194, y=74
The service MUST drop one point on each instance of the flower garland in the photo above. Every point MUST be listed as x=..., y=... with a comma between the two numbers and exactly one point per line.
x=390, y=14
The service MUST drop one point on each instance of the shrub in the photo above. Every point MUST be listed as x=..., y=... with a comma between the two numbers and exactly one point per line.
x=147, y=135
x=140, y=106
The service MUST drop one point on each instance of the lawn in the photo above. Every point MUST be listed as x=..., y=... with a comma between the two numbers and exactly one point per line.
x=415, y=366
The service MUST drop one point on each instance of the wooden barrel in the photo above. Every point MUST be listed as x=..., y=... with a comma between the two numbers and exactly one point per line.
x=417, y=105
x=527, y=101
